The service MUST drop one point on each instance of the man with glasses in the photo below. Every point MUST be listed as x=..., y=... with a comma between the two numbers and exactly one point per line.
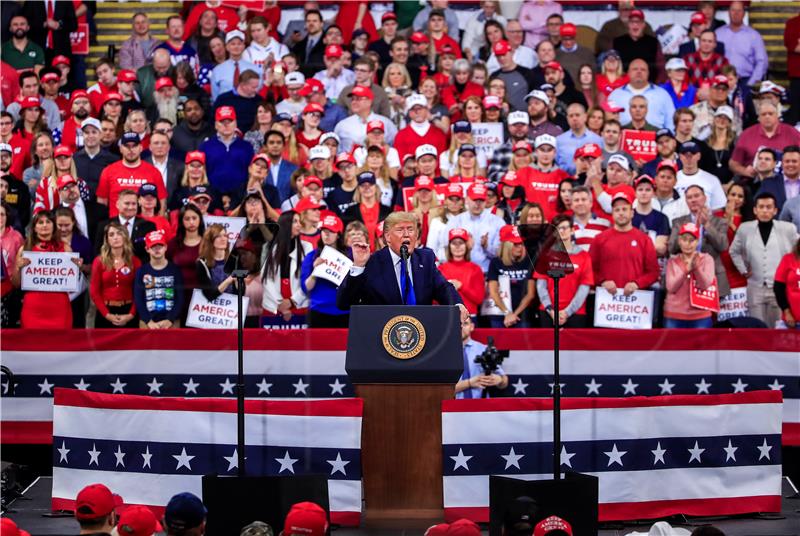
x=92, y=159
x=418, y=280
x=88, y=214
x=364, y=70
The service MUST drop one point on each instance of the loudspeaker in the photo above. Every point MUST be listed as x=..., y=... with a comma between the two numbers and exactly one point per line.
x=234, y=502
x=573, y=498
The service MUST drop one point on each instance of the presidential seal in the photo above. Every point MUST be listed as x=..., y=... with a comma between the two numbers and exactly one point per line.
x=403, y=337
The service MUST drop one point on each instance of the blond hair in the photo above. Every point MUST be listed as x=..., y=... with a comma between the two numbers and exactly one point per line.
x=106, y=256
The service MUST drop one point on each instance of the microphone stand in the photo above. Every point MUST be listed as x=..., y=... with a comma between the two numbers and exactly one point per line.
x=240, y=275
x=556, y=275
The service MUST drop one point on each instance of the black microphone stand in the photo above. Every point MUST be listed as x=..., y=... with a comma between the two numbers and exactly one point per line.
x=556, y=275
x=240, y=284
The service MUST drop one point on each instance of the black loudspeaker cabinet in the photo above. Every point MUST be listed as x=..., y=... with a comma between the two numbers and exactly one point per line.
x=233, y=502
x=573, y=498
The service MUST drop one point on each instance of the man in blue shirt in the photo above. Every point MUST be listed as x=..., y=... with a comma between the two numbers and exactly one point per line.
x=577, y=136
x=225, y=76
x=473, y=380
x=227, y=156
x=660, y=108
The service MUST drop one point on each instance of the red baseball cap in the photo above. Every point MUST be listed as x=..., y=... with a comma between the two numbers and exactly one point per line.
x=419, y=37
x=126, y=75
x=9, y=528
x=522, y=144
x=29, y=102
x=78, y=94
x=501, y=47
x=376, y=124
x=458, y=232
x=306, y=203
x=611, y=106
x=636, y=14
x=362, y=91
x=669, y=164
x=463, y=527
x=51, y=77
x=698, y=18
x=224, y=113
x=550, y=524
x=333, y=51
x=492, y=101
x=313, y=107
x=112, y=96
x=720, y=80
x=476, y=191
x=568, y=30
x=644, y=178
x=62, y=150
x=195, y=156
x=332, y=223
x=437, y=530
x=262, y=157
x=454, y=190
x=312, y=179
x=65, y=180
x=151, y=239
x=389, y=15
x=311, y=85
x=164, y=81
x=622, y=194
x=690, y=228
x=553, y=65
x=590, y=150
x=95, y=501
x=345, y=158
x=510, y=179
x=510, y=233
x=306, y=519
x=60, y=60
x=423, y=182
x=139, y=520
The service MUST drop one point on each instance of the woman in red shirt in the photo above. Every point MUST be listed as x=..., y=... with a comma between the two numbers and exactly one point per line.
x=466, y=276
x=787, y=287
x=573, y=288
x=309, y=132
x=461, y=91
x=611, y=74
x=738, y=209
x=113, y=275
x=43, y=310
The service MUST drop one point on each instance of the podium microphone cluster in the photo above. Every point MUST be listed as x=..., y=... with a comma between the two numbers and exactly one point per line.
x=404, y=253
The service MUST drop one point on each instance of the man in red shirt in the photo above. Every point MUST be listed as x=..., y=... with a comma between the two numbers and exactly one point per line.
x=541, y=180
x=624, y=257
x=128, y=174
x=420, y=131
x=437, y=29
x=80, y=109
x=106, y=83
x=768, y=132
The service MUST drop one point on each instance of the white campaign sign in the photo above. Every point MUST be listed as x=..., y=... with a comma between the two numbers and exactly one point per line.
x=733, y=305
x=221, y=313
x=335, y=267
x=50, y=272
x=487, y=137
x=623, y=312
x=233, y=226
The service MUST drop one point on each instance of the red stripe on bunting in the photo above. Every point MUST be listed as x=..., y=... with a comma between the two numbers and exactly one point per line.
x=347, y=519
x=541, y=404
x=791, y=434
x=26, y=432
x=336, y=339
x=345, y=407
x=652, y=509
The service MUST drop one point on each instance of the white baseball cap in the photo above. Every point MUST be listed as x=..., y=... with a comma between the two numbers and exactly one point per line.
x=545, y=139
x=295, y=79
x=415, y=99
x=676, y=64
x=6, y=147
x=620, y=160
x=426, y=149
x=330, y=136
x=515, y=118
x=727, y=111
x=233, y=34
x=319, y=151
x=91, y=122
x=538, y=94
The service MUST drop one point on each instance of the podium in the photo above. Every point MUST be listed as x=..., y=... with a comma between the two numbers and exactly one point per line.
x=403, y=361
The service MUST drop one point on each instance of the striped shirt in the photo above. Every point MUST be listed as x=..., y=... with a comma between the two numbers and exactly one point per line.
x=584, y=234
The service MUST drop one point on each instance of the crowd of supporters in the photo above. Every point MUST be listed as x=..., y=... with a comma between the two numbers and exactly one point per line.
x=335, y=123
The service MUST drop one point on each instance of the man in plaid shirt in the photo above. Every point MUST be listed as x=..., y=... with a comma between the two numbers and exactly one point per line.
x=705, y=64
x=501, y=158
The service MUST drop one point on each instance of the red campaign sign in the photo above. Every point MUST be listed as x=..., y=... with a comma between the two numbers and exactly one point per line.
x=640, y=144
x=441, y=191
x=80, y=39
x=251, y=5
x=707, y=299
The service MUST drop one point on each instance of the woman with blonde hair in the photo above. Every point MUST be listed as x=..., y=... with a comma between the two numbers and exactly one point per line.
x=473, y=109
x=522, y=157
x=61, y=164
x=113, y=276
x=376, y=136
x=611, y=75
x=467, y=167
x=397, y=85
x=448, y=160
x=41, y=152
x=440, y=219
x=423, y=200
x=510, y=284
x=377, y=164
x=294, y=152
x=718, y=148
x=194, y=174
x=137, y=122
x=212, y=279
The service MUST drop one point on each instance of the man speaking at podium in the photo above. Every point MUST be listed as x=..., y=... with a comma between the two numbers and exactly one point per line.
x=385, y=279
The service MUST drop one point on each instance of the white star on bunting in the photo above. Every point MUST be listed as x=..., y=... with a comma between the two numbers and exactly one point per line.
x=191, y=386
x=233, y=460
x=94, y=456
x=739, y=387
x=566, y=457
x=658, y=454
x=666, y=387
x=287, y=463
x=630, y=387
x=512, y=458
x=702, y=387
x=593, y=387
x=520, y=387
x=155, y=386
x=82, y=385
x=120, y=456
x=730, y=451
x=775, y=386
x=461, y=460
x=183, y=459
x=338, y=464
x=227, y=387
x=336, y=387
x=695, y=452
x=146, y=455
x=615, y=456
x=300, y=387
x=63, y=452
x=46, y=387
x=763, y=450
x=263, y=386
x=118, y=386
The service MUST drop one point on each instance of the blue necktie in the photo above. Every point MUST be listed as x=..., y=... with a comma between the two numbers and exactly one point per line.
x=466, y=376
x=406, y=286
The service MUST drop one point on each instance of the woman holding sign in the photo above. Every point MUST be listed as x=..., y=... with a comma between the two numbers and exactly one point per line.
x=113, y=274
x=212, y=279
x=43, y=310
x=184, y=249
x=689, y=271
x=510, y=285
x=322, y=310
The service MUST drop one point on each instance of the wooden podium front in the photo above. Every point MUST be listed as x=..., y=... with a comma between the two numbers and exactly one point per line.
x=401, y=454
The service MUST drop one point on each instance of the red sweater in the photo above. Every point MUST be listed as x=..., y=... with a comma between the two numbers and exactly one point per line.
x=473, y=285
x=407, y=140
x=112, y=285
x=542, y=187
x=623, y=257
x=118, y=177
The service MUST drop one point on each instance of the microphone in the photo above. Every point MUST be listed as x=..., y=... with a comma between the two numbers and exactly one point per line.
x=404, y=252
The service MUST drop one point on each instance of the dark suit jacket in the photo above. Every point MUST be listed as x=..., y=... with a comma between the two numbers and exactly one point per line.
x=775, y=186
x=377, y=285
x=284, y=186
x=353, y=213
x=689, y=48
x=140, y=229
x=315, y=59
x=36, y=13
x=715, y=241
x=95, y=213
x=174, y=173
